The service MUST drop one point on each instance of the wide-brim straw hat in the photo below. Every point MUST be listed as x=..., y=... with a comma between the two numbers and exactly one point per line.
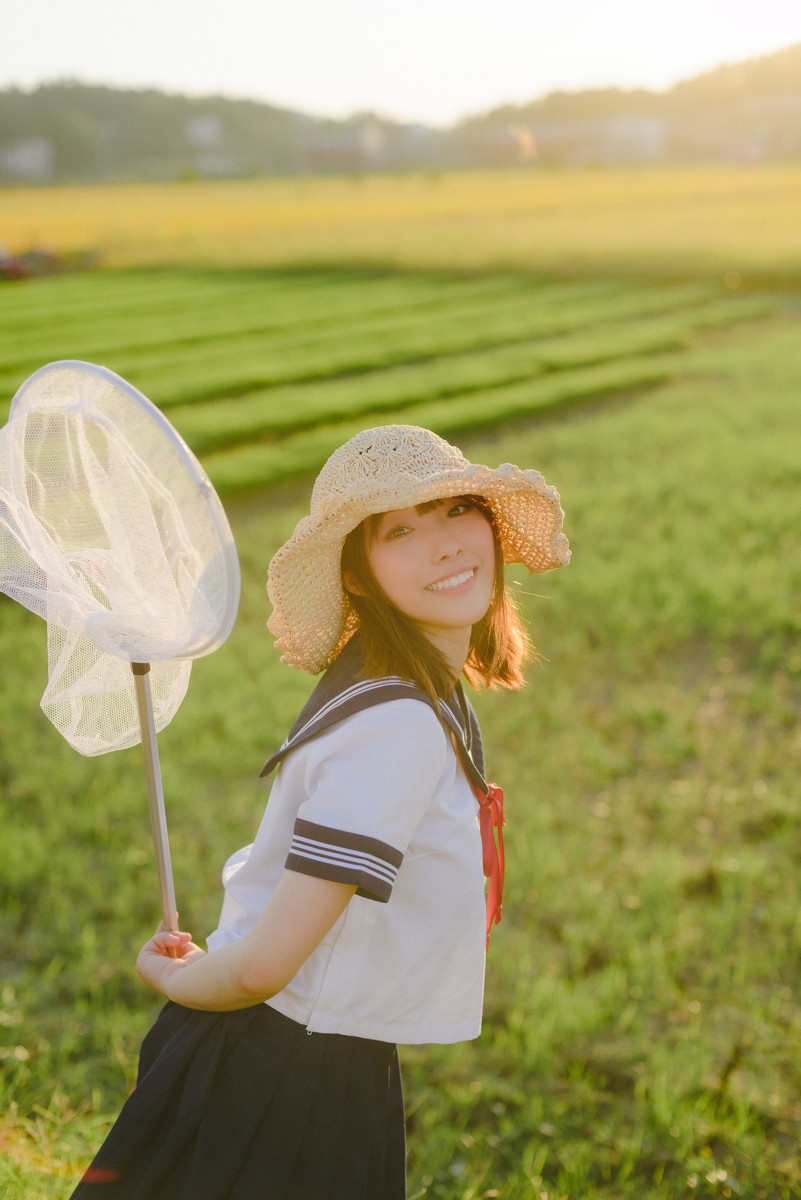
x=381, y=470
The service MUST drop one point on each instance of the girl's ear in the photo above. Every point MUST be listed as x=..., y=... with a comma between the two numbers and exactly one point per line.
x=351, y=584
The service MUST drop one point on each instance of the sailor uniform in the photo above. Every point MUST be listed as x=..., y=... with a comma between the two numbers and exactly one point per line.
x=369, y=791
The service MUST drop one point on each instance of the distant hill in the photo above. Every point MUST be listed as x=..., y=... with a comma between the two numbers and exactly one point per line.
x=73, y=130
x=776, y=75
x=69, y=131
x=748, y=111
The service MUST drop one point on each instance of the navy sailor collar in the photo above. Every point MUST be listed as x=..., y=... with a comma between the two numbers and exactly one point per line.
x=340, y=693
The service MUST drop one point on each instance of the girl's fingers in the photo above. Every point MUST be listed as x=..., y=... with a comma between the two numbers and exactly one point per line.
x=167, y=941
x=160, y=928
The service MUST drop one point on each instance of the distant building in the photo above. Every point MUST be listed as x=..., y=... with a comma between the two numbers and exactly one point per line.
x=753, y=130
x=205, y=131
x=29, y=159
x=331, y=146
x=501, y=144
x=627, y=138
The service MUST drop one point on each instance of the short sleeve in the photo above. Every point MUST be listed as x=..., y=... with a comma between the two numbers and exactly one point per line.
x=367, y=782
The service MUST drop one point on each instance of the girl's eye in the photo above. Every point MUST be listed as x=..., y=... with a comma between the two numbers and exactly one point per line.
x=457, y=510
x=398, y=531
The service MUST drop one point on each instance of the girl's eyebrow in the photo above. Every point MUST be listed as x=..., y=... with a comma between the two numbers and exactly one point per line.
x=429, y=505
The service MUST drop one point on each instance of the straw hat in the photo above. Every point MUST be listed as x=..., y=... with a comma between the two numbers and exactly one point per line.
x=380, y=470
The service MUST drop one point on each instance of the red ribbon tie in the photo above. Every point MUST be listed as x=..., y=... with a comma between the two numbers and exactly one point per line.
x=490, y=818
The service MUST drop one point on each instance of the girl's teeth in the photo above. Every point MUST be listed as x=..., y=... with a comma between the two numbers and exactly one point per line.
x=454, y=581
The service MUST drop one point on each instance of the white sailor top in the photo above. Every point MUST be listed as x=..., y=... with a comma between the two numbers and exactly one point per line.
x=370, y=791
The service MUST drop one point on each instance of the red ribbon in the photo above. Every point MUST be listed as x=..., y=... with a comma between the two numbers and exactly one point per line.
x=490, y=818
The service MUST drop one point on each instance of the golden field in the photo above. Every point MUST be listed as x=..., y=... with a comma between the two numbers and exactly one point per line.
x=665, y=221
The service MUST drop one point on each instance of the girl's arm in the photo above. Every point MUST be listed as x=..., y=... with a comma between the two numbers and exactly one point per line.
x=299, y=915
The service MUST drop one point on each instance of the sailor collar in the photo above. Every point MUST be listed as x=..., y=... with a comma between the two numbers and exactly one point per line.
x=340, y=693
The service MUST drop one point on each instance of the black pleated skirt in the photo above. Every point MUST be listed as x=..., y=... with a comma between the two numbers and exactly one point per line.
x=248, y=1106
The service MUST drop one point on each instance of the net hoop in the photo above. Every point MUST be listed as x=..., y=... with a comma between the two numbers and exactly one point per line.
x=112, y=532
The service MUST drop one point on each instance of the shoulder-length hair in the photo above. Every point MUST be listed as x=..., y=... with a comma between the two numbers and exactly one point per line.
x=395, y=644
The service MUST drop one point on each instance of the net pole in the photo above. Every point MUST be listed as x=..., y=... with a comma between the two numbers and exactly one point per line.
x=155, y=794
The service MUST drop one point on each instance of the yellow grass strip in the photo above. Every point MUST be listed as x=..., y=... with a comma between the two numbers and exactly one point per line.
x=661, y=220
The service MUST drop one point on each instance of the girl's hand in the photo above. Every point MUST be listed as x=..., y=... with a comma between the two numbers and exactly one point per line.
x=164, y=953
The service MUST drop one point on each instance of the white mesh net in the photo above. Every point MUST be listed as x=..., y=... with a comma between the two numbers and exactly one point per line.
x=111, y=532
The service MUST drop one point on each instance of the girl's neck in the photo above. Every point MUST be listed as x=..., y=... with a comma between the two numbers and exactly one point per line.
x=454, y=646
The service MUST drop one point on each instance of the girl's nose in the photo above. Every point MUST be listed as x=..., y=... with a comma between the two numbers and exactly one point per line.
x=447, y=547
x=445, y=540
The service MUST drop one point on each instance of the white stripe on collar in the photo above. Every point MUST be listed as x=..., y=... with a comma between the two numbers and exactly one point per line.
x=356, y=689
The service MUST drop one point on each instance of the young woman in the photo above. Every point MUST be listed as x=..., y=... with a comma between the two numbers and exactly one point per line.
x=357, y=919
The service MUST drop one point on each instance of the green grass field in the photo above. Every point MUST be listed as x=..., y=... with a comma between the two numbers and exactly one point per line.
x=642, y=1014
x=265, y=373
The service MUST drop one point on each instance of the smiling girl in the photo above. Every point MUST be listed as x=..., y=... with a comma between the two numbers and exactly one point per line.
x=357, y=918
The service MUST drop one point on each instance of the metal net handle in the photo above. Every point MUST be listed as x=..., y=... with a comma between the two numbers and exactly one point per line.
x=155, y=794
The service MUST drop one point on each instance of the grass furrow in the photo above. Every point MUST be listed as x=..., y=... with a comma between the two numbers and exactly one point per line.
x=234, y=370
x=166, y=316
x=258, y=466
x=212, y=425
x=174, y=370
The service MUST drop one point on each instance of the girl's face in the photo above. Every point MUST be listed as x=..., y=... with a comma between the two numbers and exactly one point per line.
x=436, y=563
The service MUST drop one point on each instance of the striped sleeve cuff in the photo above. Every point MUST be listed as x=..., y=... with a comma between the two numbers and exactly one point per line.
x=344, y=858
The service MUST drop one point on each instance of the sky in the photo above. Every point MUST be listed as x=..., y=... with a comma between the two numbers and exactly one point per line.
x=432, y=61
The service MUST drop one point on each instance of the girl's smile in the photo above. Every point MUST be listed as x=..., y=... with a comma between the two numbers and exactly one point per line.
x=453, y=581
x=436, y=563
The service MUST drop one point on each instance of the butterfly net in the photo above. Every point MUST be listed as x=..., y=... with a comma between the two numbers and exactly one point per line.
x=111, y=532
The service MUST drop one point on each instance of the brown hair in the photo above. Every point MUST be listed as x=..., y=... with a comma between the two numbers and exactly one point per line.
x=395, y=644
